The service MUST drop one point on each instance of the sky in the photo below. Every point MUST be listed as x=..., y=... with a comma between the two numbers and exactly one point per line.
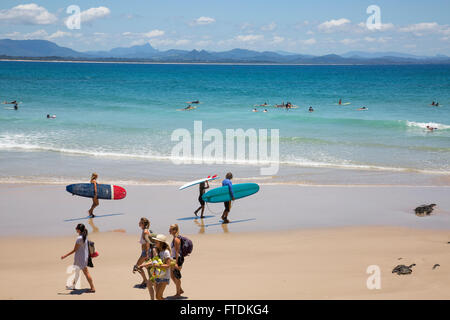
x=309, y=27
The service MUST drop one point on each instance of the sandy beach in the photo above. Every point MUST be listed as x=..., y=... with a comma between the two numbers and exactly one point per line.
x=317, y=245
x=303, y=264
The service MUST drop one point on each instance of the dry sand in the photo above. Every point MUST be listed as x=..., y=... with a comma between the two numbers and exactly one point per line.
x=326, y=263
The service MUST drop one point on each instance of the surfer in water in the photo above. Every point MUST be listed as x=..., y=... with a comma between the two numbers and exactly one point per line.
x=227, y=182
x=95, y=202
x=189, y=107
x=202, y=187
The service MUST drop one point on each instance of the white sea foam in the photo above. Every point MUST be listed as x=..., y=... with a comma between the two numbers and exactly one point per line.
x=424, y=125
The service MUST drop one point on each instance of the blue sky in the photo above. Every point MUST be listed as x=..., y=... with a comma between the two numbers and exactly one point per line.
x=316, y=27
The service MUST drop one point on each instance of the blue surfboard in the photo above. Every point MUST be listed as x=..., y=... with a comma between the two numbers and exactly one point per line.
x=222, y=194
x=104, y=191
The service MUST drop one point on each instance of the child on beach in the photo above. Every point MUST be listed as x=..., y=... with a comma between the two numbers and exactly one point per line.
x=202, y=188
x=95, y=202
x=227, y=204
x=175, y=247
x=81, y=251
x=147, y=251
x=163, y=251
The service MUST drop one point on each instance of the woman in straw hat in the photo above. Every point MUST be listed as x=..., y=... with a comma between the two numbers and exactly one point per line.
x=163, y=251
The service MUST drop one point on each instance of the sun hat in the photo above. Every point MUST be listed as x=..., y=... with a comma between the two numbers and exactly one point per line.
x=160, y=238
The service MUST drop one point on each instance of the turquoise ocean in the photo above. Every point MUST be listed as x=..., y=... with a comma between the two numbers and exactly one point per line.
x=117, y=119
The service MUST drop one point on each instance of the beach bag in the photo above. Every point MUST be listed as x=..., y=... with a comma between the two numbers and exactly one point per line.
x=92, y=252
x=186, y=246
x=154, y=271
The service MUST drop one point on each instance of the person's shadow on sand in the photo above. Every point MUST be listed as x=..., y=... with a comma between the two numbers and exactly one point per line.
x=75, y=292
x=176, y=298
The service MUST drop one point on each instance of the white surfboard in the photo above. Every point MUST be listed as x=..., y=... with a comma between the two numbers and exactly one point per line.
x=193, y=183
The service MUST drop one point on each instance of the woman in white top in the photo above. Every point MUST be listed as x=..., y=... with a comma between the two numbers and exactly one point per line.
x=146, y=252
x=163, y=251
x=81, y=251
x=175, y=247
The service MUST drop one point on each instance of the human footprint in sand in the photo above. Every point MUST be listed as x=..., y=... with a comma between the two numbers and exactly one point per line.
x=95, y=202
x=81, y=251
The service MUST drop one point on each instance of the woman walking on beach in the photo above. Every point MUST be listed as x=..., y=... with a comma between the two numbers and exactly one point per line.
x=146, y=253
x=95, y=202
x=81, y=251
x=202, y=188
x=227, y=204
x=175, y=247
x=163, y=250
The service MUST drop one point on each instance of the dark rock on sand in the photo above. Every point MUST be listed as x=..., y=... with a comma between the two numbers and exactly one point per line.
x=402, y=269
x=424, y=209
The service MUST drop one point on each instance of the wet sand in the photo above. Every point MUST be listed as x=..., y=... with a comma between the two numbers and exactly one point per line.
x=302, y=264
x=42, y=209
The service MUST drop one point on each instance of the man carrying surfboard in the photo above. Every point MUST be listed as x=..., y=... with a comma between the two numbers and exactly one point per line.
x=202, y=188
x=227, y=182
x=95, y=202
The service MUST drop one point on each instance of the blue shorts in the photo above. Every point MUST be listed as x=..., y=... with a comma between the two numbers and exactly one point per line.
x=162, y=280
x=144, y=253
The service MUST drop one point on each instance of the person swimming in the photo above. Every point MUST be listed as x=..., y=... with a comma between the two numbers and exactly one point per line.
x=362, y=108
x=255, y=110
x=311, y=109
x=189, y=107
x=265, y=110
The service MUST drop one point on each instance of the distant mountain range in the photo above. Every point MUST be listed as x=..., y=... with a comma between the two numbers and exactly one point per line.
x=46, y=50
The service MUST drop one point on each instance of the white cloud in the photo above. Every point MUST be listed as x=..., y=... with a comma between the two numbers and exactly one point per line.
x=151, y=34
x=348, y=41
x=38, y=34
x=203, y=21
x=277, y=39
x=28, y=14
x=333, y=25
x=249, y=38
x=421, y=27
x=309, y=41
x=269, y=27
x=59, y=34
x=154, y=33
x=92, y=14
x=362, y=27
